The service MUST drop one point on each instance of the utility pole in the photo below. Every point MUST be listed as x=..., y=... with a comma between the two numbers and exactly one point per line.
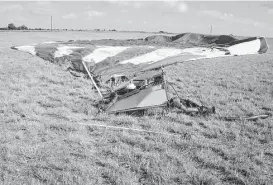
x=210, y=29
x=51, y=24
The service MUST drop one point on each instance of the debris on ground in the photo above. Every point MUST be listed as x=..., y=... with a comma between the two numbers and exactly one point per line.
x=146, y=91
x=127, y=75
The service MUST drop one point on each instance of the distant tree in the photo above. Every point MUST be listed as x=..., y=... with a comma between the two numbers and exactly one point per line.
x=11, y=26
x=23, y=27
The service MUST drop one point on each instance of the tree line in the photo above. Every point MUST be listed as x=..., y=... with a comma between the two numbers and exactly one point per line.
x=12, y=26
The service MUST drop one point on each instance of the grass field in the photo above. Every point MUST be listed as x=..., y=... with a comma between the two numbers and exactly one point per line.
x=10, y=38
x=48, y=133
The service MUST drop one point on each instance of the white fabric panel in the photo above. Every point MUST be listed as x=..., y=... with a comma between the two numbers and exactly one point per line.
x=30, y=49
x=251, y=47
x=153, y=56
x=103, y=52
x=65, y=50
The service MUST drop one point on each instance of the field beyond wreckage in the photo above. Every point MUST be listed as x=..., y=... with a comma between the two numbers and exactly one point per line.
x=45, y=137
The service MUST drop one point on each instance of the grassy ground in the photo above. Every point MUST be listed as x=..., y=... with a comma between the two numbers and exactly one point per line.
x=16, y=38
x=42, y=142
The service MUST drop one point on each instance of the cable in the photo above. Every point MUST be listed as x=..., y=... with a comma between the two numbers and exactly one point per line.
x=173, y=89
x=261, y=116
x=124, y=128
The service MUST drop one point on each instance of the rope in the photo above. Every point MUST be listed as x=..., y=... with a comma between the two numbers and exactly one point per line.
x=124, y=128
x=261, y=116
x=173, y=89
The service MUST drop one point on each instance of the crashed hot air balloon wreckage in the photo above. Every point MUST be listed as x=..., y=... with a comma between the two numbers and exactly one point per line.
x=129, y=74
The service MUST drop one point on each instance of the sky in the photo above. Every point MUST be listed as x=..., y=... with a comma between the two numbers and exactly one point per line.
x=237, y=18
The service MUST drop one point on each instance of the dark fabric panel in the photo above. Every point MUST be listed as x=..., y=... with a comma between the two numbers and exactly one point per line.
x=264, y=46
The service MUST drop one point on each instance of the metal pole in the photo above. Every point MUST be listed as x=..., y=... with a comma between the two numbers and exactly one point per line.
x=164, y=82
x=92, y=79
x=211, y=29
x=51, y=24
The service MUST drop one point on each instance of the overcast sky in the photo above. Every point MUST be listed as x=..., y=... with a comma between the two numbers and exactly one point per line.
x=238, y=18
